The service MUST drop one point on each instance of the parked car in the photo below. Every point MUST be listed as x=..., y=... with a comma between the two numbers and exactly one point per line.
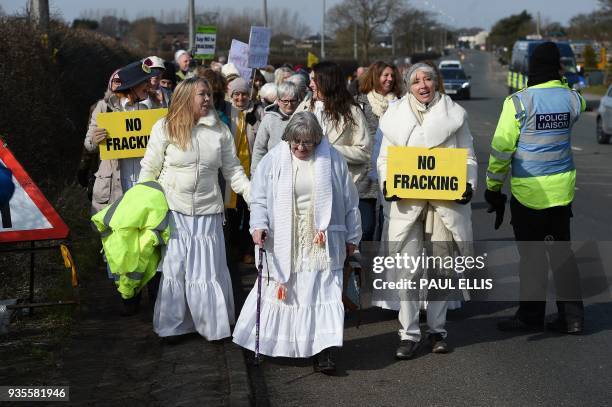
x=456, y=82
x=604, y=118
x=450, y=63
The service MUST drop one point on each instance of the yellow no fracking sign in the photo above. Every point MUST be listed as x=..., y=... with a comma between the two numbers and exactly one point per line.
x=423, y=173
x=128, y=132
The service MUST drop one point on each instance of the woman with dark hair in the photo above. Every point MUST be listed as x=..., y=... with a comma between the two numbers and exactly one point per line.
x=379, y=86
x=342, y=121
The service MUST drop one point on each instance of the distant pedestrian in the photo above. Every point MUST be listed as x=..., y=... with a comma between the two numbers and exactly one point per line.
x=182, y=59
x=301, y=82
x=157, y=93
x=168, y=77
x=353, y=85
x=281, y=74
x=267, y=95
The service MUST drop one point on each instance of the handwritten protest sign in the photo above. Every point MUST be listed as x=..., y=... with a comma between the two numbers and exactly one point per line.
x=239, y=56
x=259, y=46
x=205, y=42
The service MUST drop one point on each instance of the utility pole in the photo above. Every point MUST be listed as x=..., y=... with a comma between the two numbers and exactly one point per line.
x=323, y=32
x=265, y=12
x=40, y=13
x=191, y=18
x=423, y=37
x=355, y=41
x=538, y=25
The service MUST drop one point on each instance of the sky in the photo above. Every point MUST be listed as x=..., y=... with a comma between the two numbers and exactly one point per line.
x=455, y=13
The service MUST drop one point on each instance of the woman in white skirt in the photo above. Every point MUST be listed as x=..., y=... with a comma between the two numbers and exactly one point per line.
x=304, y=213
x=185, y=152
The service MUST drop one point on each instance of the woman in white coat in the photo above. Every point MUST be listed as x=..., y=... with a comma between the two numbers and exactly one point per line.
x=426, y=118
x=304, y=213
x=185, y=152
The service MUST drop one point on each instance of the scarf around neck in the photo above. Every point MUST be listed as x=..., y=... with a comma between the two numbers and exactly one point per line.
x=284, y=210
x=420, y=109
x=380, y=103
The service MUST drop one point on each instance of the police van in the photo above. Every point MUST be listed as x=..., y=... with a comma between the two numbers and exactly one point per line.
x=518, y=69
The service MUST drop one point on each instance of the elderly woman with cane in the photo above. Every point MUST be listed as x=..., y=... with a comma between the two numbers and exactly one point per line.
x=304, y=213
x=425, y=118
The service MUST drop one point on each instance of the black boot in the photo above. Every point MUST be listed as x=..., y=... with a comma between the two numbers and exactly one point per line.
x=324, y=363
x=130, y=306
x=153, y=287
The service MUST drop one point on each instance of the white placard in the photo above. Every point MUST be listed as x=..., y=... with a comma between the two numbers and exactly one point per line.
x=259, y=47
x=239, y=56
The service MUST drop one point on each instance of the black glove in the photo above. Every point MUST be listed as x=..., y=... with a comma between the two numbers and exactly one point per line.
x=392, y=198
x=497, y=204
x=467, y=195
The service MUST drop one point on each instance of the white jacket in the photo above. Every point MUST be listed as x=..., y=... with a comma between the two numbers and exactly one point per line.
x=354, y=142
x=445, y=125
x=341, y=219
x=190, y=178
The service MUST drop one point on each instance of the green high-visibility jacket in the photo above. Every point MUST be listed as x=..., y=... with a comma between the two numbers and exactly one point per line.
x=133, y=229
x=534, y=191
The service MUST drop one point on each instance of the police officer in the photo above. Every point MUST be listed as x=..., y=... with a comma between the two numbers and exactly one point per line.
x=533, y=138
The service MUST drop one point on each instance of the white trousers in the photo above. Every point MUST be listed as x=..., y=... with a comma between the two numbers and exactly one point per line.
x=410, y=238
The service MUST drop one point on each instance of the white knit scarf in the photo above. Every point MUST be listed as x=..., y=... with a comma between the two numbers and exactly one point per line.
x=379, y=102
x=284, y=204
x=421, y=109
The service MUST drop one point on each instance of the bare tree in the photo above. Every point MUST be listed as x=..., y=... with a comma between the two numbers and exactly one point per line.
x=369, y=17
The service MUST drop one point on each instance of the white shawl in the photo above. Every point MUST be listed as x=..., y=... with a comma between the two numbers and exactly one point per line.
x=283, y=207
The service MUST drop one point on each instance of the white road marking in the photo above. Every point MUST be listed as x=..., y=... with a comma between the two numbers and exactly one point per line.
x=576, y=148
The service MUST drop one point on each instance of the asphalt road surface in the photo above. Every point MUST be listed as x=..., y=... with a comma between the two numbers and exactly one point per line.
x=486, y=367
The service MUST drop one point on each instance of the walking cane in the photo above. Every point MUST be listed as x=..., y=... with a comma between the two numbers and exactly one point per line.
x=262, y=251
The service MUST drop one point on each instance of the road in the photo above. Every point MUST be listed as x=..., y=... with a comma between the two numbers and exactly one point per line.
x=486, y=367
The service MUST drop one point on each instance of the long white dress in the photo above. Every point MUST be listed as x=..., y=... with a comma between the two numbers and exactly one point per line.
x=311, y=317
x=195, y=292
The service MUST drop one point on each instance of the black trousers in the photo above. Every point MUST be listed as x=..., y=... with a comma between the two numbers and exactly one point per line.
x=543, y=240
x=238, y=220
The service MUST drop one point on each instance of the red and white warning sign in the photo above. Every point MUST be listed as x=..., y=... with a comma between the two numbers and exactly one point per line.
x=29, y=216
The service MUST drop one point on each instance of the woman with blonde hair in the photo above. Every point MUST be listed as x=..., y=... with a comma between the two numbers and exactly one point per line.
x=185, y=152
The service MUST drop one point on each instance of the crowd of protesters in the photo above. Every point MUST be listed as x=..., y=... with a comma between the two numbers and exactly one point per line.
x=292, y=161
